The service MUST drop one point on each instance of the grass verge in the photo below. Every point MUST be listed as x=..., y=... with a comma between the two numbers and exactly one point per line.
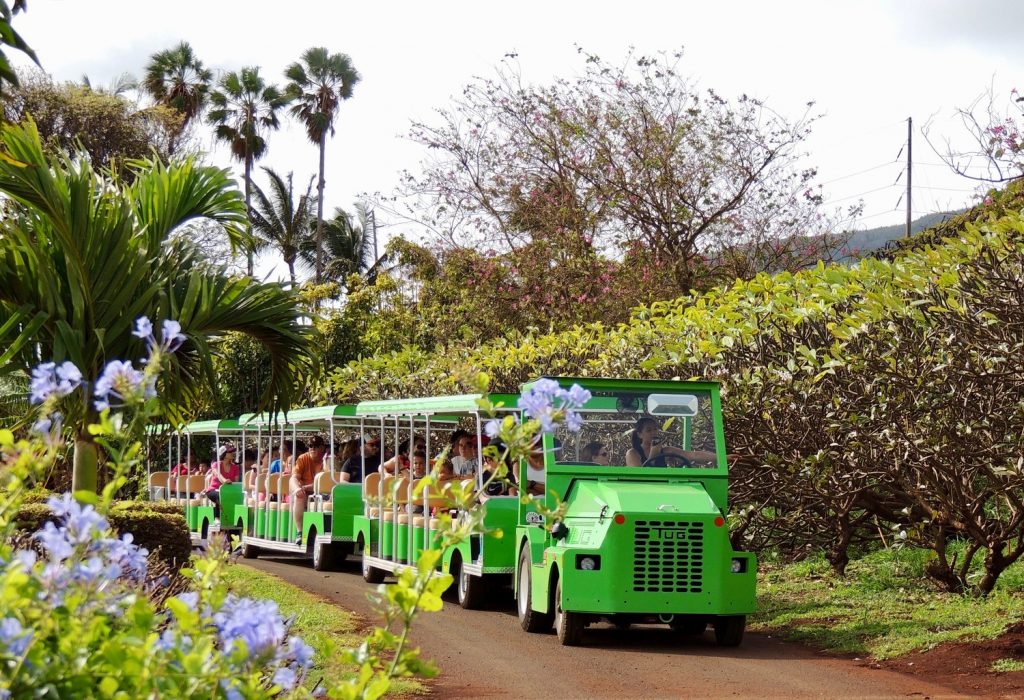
x=320, y=623
x=883, y=607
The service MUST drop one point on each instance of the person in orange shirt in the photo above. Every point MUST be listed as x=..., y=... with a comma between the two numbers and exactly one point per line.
x=300, y=483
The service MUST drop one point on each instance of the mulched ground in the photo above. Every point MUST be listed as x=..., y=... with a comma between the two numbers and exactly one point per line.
x=965, y=667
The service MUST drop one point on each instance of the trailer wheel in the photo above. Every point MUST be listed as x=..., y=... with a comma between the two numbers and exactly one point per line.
x=729, y=630
x=471, y=588
x=323, y=556
x=371, y=574
x=249, y=550
x=568, y=625
x=529, y=619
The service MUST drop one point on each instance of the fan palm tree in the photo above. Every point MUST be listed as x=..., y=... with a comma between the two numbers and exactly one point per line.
x=244, y=109
x=318, y=84
x=346, y=249
x=278, y=221
x=84, y=255
x=177, y=79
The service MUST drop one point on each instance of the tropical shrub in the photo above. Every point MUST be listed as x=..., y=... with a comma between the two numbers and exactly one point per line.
x=875, y=403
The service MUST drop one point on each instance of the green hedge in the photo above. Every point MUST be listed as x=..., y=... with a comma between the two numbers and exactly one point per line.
x=874, y=402
x=159, y=527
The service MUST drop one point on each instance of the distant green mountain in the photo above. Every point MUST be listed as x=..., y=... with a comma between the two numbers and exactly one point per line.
x=861, y=242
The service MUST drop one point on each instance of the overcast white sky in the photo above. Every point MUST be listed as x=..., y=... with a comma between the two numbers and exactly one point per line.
x=868, y=66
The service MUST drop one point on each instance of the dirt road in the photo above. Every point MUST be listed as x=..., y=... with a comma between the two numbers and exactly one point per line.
x=486, y=654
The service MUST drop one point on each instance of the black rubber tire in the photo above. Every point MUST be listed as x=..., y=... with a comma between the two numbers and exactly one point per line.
x=323, y=556
x=691, y=627
x=471, y=590
x=529, y=619
x=249, y=550
x=729, y=630
x=569, y=625
x=371, y=574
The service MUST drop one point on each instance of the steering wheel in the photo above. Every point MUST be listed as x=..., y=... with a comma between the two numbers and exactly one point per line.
x=662, y=460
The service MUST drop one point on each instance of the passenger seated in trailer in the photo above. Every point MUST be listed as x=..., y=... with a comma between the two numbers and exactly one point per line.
x=454, y=449
x=267, y=456
x=352, y=469
x=250, y=458
x=416, y=471
x=401, y=458
x=468, y=451
x=349, y=449
x=645, y=449
x=224, y=471
x=535, y=473
x=596, y=453
x=284, y=456
x=300, y=484
x=189, y=466
x=504, y=486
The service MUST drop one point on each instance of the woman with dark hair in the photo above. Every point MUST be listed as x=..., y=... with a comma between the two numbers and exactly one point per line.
x=596, y=453
x=644, y=448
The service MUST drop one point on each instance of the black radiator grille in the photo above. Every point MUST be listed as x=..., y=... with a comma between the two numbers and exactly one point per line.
x=668, y=557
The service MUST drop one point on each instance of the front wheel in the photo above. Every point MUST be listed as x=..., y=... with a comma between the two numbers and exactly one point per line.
x=569, y=626
x=729, y=630
x=529, y=619
x=471, y=589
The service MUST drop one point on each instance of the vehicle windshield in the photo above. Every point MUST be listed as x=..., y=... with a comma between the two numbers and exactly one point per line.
x=654, y=429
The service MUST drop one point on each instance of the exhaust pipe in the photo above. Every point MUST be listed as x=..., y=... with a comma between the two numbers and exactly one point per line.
x=666, y=618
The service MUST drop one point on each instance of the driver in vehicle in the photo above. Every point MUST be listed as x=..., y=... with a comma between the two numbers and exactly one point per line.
x=645, y=451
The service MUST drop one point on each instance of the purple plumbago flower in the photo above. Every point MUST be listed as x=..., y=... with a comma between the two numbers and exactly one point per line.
x=55, y=542
x=256, y=623
x=577, y=396
x=189, y=598
x=49, y=379
x=492, y=428
x=14, y=636
x=300, y=651
x=144, y=329
x=230, y=691
x=171, y=335
x=122, y=381
x=285, y=677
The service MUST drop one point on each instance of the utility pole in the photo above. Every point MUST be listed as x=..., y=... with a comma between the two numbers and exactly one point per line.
x=371, y=219
x=910, y=164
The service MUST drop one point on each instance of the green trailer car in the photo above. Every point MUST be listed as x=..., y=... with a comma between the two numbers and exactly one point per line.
x=642, y=543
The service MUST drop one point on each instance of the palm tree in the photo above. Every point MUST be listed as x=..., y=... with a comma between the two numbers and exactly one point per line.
x=346, y=248
x=279, y=221
x=86, y=254
x=244, y=109
x=177, y=79
x=318, y=84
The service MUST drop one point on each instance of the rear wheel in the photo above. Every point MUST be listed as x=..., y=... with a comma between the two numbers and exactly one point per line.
x=371, y=574
x=470, y=588
x=569, y=626
x=729, y=630
x=529, y=619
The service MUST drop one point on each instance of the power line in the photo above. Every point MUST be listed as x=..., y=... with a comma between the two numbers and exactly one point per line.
x=859, y=172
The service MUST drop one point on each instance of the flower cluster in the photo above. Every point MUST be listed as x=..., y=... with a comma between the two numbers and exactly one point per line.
x=251, y=631
x=81, y=551
x=171, y=337
x=124, y=383
x=51, y=380
x=551, y=405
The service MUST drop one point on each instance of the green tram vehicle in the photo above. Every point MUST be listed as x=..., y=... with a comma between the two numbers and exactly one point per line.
x=637, y=544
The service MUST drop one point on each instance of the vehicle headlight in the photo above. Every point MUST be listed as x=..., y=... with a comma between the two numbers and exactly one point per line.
x=588, y=562
x=739, y=566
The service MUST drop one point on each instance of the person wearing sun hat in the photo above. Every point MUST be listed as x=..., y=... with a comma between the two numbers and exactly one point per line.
x=224, y=471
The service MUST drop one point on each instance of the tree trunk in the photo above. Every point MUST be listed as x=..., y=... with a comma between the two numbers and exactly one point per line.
x=320, y=211
x=83, y=475
x=291, y=271
x=248, y=195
